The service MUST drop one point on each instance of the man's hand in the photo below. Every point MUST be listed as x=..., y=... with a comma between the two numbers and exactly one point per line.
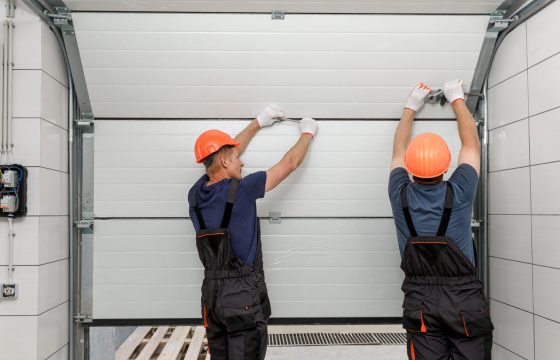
x=453, y=90
x=308, y=126
x=417, y=97
x=269, y=115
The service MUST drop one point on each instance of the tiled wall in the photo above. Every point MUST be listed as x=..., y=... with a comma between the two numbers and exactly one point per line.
x=524, y=198
x=35, y=326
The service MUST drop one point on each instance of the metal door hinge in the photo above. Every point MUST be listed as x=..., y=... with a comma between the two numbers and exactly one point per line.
x=85, y=224
x=275, y=217
x=278, y=14
x=83, y=318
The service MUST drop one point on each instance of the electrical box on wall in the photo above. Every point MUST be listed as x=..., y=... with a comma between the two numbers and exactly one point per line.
x=13, y=190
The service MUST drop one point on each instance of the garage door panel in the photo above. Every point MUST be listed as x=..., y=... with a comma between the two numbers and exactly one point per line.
x=357, y=308
x=334, y=292
x=169, y=59
x=326, y=66
x=272, y=78
x=157, y=22
x=344, y=174
x=287, y=41
x=363, y=276
x=141, y=265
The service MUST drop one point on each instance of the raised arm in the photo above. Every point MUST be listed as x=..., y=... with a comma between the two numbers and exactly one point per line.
x=470, y=143
x=267, y=117
x=294, y=157
x=404, y=129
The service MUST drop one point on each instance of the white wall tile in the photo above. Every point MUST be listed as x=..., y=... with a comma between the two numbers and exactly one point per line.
x=547, y=334
x=546, y=284
x=61, y=354
x=509, y=146
x=513, y=329
x=541, y=29
x=53, y=238
x=511, y=56
x=27, y=93
x=501, y=353
x=511, y=282
x=38, y=240
x=47, y=192
x=27, y=141
x=18, y=337
x=544, y=85
x=509, y=192
x=26, y=277
x=27, y=42
x=545, y=197
x=544, y=130
x=53, y=285
x=25, y=241
x=52, y=59
x=510, y=237
x=508, y=102
x=54, y=101
x=546, y=247
x=54, y=147
x=52, y=331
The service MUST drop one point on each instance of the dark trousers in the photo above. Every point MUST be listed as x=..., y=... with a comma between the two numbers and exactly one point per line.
x=236, y=313
x=249, y=344
x=423, y=346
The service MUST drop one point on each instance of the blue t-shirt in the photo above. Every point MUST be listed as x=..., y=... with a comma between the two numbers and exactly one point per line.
x=243, y=225
x=426, y=206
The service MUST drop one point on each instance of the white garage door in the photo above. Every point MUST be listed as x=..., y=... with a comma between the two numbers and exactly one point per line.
x=157, y=80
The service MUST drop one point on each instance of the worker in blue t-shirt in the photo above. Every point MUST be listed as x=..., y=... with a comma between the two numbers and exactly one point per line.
x=445, y=311
x=235, y=305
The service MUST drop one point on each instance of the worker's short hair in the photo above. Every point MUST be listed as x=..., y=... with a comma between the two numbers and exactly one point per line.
x=209, y=160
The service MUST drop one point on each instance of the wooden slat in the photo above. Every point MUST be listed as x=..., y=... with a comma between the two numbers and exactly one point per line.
x=153, y=343
x=131, y=343
x=196, y=344
x=175, y=343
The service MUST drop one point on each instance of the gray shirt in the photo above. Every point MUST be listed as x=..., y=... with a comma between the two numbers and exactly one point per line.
x=426, y=207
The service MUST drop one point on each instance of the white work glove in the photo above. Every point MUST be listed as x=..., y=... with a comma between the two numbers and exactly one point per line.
x=308, y=126
x=453, y=90
x=269, y=115
x=417, y=97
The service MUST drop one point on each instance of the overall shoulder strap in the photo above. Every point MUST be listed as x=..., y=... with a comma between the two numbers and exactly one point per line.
x=406, y=211
x=448, y=207
x=233, y=186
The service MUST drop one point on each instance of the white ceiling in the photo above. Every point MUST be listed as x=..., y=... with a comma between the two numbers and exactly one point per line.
x=308, y=6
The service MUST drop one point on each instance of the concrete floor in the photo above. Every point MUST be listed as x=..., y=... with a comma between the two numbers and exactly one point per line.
x=354, y=352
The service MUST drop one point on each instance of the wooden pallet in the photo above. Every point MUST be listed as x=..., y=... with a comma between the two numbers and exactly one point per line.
x=165, y=343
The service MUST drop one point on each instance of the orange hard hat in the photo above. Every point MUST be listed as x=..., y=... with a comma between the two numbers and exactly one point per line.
x=427, y=156
x=211, y=141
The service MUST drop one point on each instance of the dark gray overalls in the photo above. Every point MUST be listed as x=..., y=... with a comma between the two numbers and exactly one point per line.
x=445, y=311
x=235, y=305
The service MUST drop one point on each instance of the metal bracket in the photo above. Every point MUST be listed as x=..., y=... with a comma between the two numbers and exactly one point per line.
x=497, y=21
x=63, y=20
x=476, y=223
x=84, y=224
x=275, y=217
x=83, y=318
x=278, y=14
x=86, y=121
